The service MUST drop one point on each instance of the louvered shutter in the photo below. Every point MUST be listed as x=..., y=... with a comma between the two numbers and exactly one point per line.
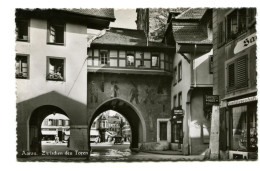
x=231, y=76
x=242, y=72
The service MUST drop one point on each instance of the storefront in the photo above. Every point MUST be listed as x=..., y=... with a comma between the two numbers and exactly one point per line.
x=177, y=128
x=242, y=127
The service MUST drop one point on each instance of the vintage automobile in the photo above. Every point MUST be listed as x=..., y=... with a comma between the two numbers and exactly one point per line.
x=118, y=139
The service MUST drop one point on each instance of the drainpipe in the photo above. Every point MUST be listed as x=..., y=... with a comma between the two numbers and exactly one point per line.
x=195, y=72
x=100, y=34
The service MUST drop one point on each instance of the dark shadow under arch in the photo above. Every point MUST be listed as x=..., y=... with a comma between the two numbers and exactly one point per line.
x=127, y=111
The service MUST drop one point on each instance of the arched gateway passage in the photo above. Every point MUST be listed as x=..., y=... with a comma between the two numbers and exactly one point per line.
x=35, y=123
x=134, y=118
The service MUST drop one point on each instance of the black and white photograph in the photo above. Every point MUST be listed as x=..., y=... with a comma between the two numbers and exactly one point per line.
x=144, y=84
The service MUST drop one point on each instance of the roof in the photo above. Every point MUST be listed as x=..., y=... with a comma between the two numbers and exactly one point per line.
x=192, y=13
x=192, y=33
x=127, y=37
x=98, y=12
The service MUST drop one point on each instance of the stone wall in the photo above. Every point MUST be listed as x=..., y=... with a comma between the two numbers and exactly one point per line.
x=150, y=95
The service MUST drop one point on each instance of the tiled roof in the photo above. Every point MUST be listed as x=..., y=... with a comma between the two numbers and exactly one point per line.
x=127, y=37
x=99, y=12
x=190, y=34
x=192, y=13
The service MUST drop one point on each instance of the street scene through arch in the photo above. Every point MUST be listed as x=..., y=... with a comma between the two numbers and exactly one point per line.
x=110, y=135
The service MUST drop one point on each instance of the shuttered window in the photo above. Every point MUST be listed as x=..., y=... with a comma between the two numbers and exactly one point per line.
x=231, y=76
x=242, y=72
x=238, y=74
x=221, y=34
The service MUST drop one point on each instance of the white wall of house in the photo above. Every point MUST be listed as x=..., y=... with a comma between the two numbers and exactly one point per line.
x=69, y=95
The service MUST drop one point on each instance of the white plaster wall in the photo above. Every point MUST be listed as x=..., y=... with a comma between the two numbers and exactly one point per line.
x=70, y=95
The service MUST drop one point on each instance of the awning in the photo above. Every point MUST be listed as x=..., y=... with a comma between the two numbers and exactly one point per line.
x=94, y=132
x=49, y=133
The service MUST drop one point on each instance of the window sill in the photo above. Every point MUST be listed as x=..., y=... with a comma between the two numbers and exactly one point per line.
x=22, y=40
x=24, y=78
x=59, y=44
x=61, y=80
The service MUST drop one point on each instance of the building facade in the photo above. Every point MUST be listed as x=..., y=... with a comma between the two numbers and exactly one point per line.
x=235, y=81
x=191, y=34
x=55, y=126
x=132, y=76
x=51, y=52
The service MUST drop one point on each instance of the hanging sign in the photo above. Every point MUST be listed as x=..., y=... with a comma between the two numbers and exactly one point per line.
x=211, y=99
x=178, y=112
x=245, y=43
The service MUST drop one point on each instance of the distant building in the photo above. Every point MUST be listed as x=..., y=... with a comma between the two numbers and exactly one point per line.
x=55, y=126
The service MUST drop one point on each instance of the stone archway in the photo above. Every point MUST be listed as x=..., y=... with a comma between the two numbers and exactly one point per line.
x=35, y=121
x=127, y=110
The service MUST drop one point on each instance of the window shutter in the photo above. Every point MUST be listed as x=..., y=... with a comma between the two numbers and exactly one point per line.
x=242, y=72
x=231, y=75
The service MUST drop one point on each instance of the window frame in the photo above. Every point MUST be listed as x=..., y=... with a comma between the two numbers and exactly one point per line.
x=59, y=24
x=175, y=76
x=158, y=61
x=100, y=58
x=179, y=71
x=236, y=86
x=28, y=29
x=229, y=35
x=28, y=65
x=130, y=54
x=64, y=68
x=180, y=102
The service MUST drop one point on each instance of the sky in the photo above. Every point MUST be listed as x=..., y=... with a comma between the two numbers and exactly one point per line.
x=125, y=18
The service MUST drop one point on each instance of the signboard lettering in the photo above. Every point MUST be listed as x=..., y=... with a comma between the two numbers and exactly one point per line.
x=211, y=99
x=245, y=43
x=244, y=100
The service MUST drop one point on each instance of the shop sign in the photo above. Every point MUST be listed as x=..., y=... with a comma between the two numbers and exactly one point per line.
x=211, y=99
x=244, y=100
x=245, y=43
x=178, y=112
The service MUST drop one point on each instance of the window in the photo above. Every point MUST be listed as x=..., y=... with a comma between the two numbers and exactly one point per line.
x=130, y=60
x=180, y=71
x=55, y=69
x=56, y=33
x=155, y=61
x=103, y=57
x=236, y=23
x=211, y=64
x=243, y=131
x=221, y=33
x=237, y=74
x=163, y=131
x=22, y=30
x=180, y=100
x=251, y=16
x=22, y=66
x=174, y=101
x=177, y=132
x=175, y=76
